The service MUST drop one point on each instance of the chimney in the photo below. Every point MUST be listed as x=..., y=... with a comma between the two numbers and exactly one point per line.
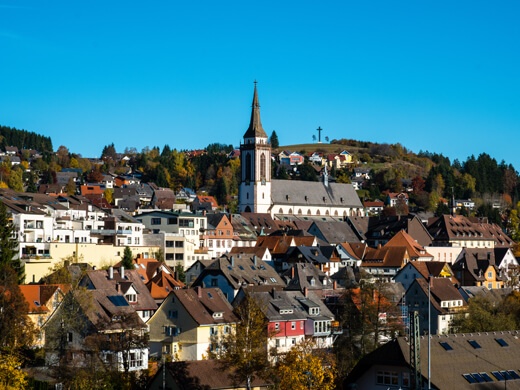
x=118, y=287
x=232, y=260
x=334, y=284
x=305, y=292
x=292, y=272
x=254, y=260
x=199, y=292
x=122, y=272
x=111, y=273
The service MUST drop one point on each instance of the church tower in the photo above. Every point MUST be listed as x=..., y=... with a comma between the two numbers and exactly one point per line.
x=255, y=164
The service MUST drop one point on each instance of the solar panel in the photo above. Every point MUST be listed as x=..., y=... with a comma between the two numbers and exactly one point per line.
x=469, y=378
x=502, y=342
x=478, y=377
x=513, y=374
x=446, y=346
x=498, y=375
x=507, y=375
x=118, y=300
x=474, y=344
x=486, y=377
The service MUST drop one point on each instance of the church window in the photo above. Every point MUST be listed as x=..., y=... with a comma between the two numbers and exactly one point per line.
x=336, y=213
x=262, y=166
x=299, y=211
x=248, y=166
x=309, y=212
x=247, y=195
x=327, y=212
x=318, y=212
x=263, y=195
x=290, y=211
x=280, y=211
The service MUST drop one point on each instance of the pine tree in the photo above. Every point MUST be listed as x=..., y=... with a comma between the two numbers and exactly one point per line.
x=128, y=261
x=274, y=140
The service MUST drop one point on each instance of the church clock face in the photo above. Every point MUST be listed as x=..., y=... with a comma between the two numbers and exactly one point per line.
x=263, y=181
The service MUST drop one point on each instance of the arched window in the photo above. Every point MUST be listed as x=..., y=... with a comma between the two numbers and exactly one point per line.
x=309, y=212
x=336, y=213
x=318, y=212
x=262, y=166
x=248, y=167
x=290, y=211
x=299, y=211
x=247, y=209
x=327, y=212
x=280, y=211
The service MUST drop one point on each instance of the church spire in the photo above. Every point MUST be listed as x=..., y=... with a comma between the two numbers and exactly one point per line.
x=255, y=129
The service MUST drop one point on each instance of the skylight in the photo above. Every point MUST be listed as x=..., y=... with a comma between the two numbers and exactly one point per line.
x=474, y=344
x=498, y=375
x=446, y=346
x=502, y=342
x=469, y=378
x=118, y=300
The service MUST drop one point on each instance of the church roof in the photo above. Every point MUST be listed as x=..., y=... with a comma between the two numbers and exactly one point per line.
x=309, y=193
x=255, y=129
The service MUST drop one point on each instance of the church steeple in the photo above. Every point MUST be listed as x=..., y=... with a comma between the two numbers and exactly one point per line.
x=255, y=129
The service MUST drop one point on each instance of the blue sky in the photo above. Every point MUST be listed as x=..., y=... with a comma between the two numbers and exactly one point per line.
x=436, y=76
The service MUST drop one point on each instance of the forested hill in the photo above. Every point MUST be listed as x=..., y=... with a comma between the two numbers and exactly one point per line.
x=23, y=139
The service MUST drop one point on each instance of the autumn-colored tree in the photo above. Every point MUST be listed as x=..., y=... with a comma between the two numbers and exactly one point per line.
x=109, y=195
x=244, y=350
x=95, y=176
x=305, y=367
x=70, y=188
x=16, y=329
x=11, y=376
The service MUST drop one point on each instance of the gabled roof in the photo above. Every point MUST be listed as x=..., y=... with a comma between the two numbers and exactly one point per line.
x=333, y=232
x=239, y=270
x=433, y=268
x=415, y=250
x=475, y=262
x=304, y=275
x=100, y=280
x=442, y=289
x=202, y=303
x=448, y=366
x=38, y=295
x=394, y=257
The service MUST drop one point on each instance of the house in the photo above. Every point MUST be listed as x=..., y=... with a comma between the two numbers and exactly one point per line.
x=290, y=158
x=439, y=297
x=127, y=283
x=384, y=262
x=456, y=361
x=374, y=208
x=316, y=158
x=333, y=233
x=230, y=273
x=189, y=323
x=93, y=326
x=163, y=198
x=218, y=236
x=200, y=375
x=376, y=230
x=424, y=269
x=294, y=316
x=393, y=198
x=416, y=251
x=351, y=253
x=460, y=231
x=477, y=267
x=303, y=276
x=245, y=234
x=204, y=202
x=42, y=300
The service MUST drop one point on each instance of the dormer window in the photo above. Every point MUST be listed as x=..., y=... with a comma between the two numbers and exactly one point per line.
x=218, y=314
x=132, y=298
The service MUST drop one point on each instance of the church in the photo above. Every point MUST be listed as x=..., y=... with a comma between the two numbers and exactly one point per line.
x=259, y=193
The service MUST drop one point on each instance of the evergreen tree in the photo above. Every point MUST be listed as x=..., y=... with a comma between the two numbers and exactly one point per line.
x=274, y=140
x=128, y=259
x=8, y=245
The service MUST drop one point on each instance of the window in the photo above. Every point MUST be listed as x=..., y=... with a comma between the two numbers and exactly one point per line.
x=169, y=244
x=214, y=282
x=172, y=313
x=293, y=325
x=172, y=221
x=156, y=221
x=70, y=337
x=502, y=342
x=474, y=344
x=387, y=378
x=277, y=326
x=179, y=256
x=169, y=256
x=179, y=244
x=446, y=346
x=188, y=223
x=131, y=297
x=136, y=359
x=490, y=275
